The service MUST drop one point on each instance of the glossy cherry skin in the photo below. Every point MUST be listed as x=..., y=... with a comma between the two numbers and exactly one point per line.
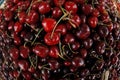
x=8, y=15
x=44, y=7
x=24, y=51
x=78, y=62
x=83, y=32
x=87, y=43
x=52, y=41
x=23, y=64
x=71, y=7
x=75, y=45
x=59, y=2
x=35, y=6
x=95, y=12
x=56, y=13
x=32, y=17
x=83, y=52
x=17, y=40
x=16, y=74
x=53, y=64
x=48, y=24
x=92, y=21
x=87, y=9
x=54, y=52
x=61, y=28
x=14, y=53
x=22, y=17
x=100, y=47
x=18, y=27
x=69, y=38
x=26, y=75
x=41, y=51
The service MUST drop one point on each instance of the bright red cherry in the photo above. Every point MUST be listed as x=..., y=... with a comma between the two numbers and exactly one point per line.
x=18, y=27
x=44, y=7
x=71, y=7
x=32, y=17
x=54, y=52
x=22, y=16
x=24, y=51
x=14, y=53
x=87, y=9
x=52, y=40
x=41, y=51
x=23, y=64
x=92, y=21
x=48, y=24
x=59, y=2
x=56, y=13
x=61, y=28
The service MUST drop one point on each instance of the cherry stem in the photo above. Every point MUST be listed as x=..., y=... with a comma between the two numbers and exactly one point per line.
x=65, y=14
x=31, y=27
x=29, y=7
x=37, y=36
x=70, y=48
x=68, y=74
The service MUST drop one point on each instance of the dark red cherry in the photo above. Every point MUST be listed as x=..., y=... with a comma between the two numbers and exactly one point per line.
x=95, y=12
x=69, y=38
x=87, y=43
x=18, y=27
x=59, y=2
x=41, y=51
x=56, y=13
x=24, y=51
x=31, y=69
x=83, y=18
x=87, y=9
x=54, y=52
x=52, y=40
x=44, y=7
x=61, y=28
x=8, y=15
x=11, y=26
x=14, y=53
x=54, y=64
x=75, y=45
x=78, y=62
x=16, y=74
x=83, y=32
x=100, y=47
x=32, y=17
x=71, y=7
x=92, y=21
x=35, y=5
x=22, y=17
x=83, y=52
x=17, y=40
x=48, y=24
x=80, y=1
x=23, y=64
x=26, y=75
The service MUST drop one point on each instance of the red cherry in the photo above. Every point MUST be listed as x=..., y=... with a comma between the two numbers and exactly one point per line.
x=14, y=53
x=21, y=17
x=32, y=17
x=87, y=9
x=75, y=45
x=23, y=64
x=41, y=51
x=8, y=15
x=52, y=41
x=71, y=7
x=67, y=63
x=11, y=26
x=56, y=13
x=18, y=27
x=110, y=26
x=35, y=5
x=16, y=74
x=54, y=52
x=92, y=21
x=95, y=12
x=59, y=2
x=78, y=62
x=31, y=69
x=23, y=5
x=69, y=38
x=54, y=64
x=48, y=24
x=83, y=52
x=61, y=28
x=17, y=40
x=80, y=1
x=26, y=75
x=24, y=51
x=44, y=7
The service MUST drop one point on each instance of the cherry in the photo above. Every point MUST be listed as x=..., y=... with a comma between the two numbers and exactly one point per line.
x=75, y=45
x=14, y=53
x=26, y=75
x=87, y=43
x=56, y=13
x=67, y=63
x=35, y=6
x=110, y=26
x=41, y=51
x=17, y=40
x=83, y=52
x=59, y=2
x=48, y=24
x=23, y=5
x=32, y=17
x=83, y=18
x=11, y=26
x=8, y=15
x=87, y=9
x=69, y=38
x=16, y=74
x=100, y=47
x=44, y=7
x=31, y=69
x=15, y=1
x=24, y=51
x=71, y=7
x=23, y=64
x=83, y=32
x=80, y=1
x=61, y=28
x=52, y=41
x=18, y=27
x=92, y=21
x=22, y=16
x=95, y=12
x=45, y=74
x=114, y=60
x=78, y=62
x=105, y=18
x=53, y=64
x=54, y=52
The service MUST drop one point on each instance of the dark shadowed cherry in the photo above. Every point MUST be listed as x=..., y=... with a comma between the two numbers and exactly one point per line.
x=56, y=13
x=87, y=43
x=59, y=2
x=87, y=9
x=83, y=18
x=54, y=52
x=54, y=64
x=41, y=51
x=69, y=38
x=75, y=45
x=71, y=7
x=24, y=51
x=83, y=52
x=95, y=12
x=8, y=15
x=26, y=75
x=17, y=40
x=14, y=53
x=23, y=64
x=100, y=47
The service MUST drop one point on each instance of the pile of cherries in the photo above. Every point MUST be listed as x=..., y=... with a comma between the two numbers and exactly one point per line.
x=60, y=40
